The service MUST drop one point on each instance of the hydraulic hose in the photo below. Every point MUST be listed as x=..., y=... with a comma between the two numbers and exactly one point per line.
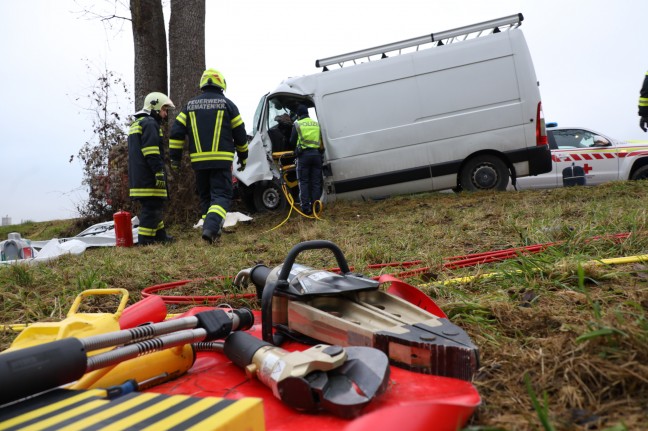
x=193, y=299
x=46, y=366
x=450, y=263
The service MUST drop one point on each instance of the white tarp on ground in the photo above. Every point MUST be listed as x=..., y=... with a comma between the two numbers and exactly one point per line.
x=231, y=219
x=53, y=249
x=98, y=235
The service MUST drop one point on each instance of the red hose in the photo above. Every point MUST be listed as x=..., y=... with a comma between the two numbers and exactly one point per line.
x=453, y=262
x=193, y=299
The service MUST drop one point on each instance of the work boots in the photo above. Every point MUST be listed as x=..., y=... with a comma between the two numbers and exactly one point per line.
x=160, y=237
x=145, y=240
x=211, y=236
x=163, y=237
x=211, y=232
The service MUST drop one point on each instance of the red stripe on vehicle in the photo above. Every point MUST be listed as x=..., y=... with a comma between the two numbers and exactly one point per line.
x=610, y=155
x=576, y=157
x=634, y=153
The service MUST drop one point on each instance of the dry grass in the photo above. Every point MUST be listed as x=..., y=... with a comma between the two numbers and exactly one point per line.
x=578, y=330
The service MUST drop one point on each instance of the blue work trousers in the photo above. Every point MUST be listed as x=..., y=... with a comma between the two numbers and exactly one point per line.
x=150, y=218
x=214, y=187
x=309, y=176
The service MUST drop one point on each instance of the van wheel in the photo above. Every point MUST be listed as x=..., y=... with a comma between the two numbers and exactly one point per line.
x=485, y=172
x=268, y=196
x=640, y=174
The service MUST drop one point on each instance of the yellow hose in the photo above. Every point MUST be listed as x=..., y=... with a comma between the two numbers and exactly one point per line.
x=611, y=261
x=317, y=208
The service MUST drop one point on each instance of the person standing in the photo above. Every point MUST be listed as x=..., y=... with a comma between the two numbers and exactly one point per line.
x=146, y=173
x=643, y=105
x=215, y=130
x=306, y=138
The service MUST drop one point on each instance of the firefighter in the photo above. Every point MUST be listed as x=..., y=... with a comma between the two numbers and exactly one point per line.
x=146, y=173
x=643, y=105
x=307, y=141
x=214, y=129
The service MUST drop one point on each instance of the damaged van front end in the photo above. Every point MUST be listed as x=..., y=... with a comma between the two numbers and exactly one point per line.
x=270, y=173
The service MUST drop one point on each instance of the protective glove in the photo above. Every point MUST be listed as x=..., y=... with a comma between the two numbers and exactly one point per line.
x=242, y=163
x=160, y=182
x=175, y=165
x=643, y=123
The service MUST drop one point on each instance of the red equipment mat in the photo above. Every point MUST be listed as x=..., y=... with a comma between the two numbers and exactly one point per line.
x=412, y=401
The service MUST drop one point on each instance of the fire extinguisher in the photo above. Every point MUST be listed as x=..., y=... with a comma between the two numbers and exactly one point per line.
x=123, y=229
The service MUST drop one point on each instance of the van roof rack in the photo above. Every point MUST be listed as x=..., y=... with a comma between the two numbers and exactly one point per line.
x=443, y=38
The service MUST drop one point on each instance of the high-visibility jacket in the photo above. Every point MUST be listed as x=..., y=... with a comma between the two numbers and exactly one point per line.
x=214, y=129
x=308, y=133
x=643, y=98
x=145, y=157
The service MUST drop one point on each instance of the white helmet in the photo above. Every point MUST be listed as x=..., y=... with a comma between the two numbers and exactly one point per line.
x=154, y=102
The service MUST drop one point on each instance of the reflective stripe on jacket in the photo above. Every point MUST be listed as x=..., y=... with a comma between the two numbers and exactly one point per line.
x=643, y=98
x=214, y=129
x=145, y=157
x=308, y=133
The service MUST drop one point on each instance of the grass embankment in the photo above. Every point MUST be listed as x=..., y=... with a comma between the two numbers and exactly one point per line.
x=576, y=330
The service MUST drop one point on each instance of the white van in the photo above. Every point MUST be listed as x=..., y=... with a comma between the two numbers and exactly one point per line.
x=456, y=110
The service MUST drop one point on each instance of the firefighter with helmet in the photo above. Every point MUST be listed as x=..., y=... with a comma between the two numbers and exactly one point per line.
x=643, y=105
x=146, y=174
x=214, y=130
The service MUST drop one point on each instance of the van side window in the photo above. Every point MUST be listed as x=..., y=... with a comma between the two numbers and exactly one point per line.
x=279, y=128
x=256, y=125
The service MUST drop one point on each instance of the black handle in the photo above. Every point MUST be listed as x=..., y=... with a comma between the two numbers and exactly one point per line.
x=240, y=347
x=311, y=245
x=39, y=368
x=282, y=283
x=258, y=275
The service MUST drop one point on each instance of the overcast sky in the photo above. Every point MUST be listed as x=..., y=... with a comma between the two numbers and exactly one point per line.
x=589, y=57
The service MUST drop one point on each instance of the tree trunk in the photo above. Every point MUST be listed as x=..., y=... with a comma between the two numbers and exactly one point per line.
x=186, y=48
x=149, y=40
x=187, y=60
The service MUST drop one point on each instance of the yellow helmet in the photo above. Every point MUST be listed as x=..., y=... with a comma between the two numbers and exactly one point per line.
x=213, y=77
x=155, y=101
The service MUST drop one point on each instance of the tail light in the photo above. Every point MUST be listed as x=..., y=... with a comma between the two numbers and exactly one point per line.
x=541, y=129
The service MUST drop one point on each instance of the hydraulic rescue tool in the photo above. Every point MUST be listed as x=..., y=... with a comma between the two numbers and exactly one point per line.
x=341, y=381
x=348, y=309
x=42, y=367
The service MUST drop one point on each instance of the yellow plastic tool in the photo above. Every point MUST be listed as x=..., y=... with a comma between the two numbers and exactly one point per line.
x=76, y=324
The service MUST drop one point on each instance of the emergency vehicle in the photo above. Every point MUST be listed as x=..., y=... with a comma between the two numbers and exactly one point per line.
x=459, y=109
x=600, y=158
